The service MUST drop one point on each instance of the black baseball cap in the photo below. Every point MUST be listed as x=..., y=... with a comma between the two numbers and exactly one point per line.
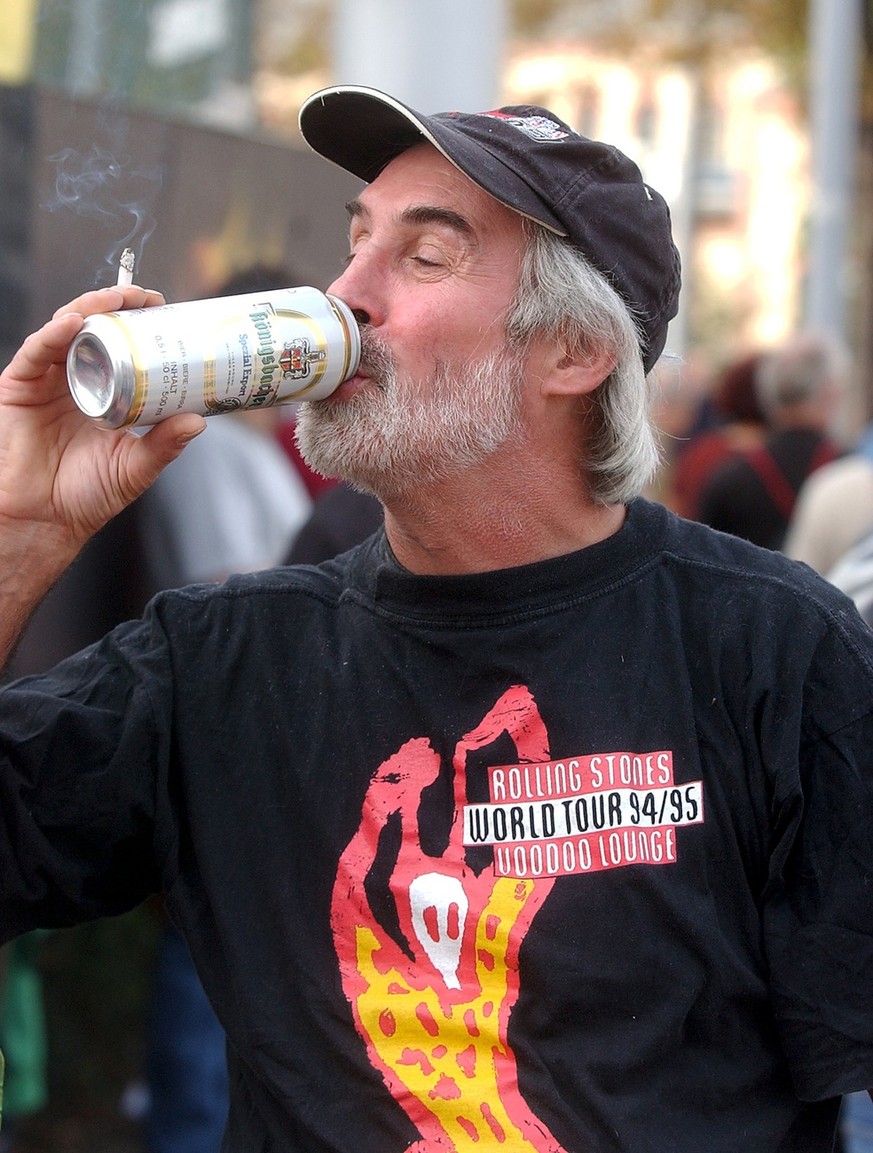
x=534, y=163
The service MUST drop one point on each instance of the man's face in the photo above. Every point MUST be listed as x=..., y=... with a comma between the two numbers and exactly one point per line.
x=434, y=265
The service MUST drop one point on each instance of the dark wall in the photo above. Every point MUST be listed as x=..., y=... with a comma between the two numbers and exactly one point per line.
x=16, y=178
x=195, y=204
x=78, y=181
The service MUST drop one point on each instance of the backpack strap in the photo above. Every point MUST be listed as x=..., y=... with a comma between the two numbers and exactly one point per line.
x=773, y=479
x=824, y=453
x=776, y=484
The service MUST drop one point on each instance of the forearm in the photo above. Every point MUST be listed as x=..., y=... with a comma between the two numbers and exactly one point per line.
x=61, y=477
x=31, y=561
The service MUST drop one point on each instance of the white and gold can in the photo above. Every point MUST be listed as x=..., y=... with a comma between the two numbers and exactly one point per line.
x=139, y=366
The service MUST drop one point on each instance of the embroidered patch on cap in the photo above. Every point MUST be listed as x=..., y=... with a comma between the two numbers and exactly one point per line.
x=536, y=127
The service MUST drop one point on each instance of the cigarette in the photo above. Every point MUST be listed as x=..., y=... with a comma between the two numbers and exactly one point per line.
x=125, y=268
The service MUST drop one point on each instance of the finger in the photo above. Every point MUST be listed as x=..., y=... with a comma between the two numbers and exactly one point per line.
x=150, y=454
x=97, y=300
x=112, y=299
x=154, y=299
x=137, y=297
x=43, y=348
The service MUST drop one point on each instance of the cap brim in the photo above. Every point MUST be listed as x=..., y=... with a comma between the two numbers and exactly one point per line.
x=362, y=129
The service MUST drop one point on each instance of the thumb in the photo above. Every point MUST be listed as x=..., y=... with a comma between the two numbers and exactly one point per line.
x=152, y=452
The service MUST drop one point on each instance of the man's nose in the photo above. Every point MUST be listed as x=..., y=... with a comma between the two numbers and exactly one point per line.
x=357, y=288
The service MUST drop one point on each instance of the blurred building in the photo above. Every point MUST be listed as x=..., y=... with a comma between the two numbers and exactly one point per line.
x=728, y=149
x=724, y=140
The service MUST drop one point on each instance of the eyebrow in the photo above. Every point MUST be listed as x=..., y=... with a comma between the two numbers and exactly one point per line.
x=420, y=214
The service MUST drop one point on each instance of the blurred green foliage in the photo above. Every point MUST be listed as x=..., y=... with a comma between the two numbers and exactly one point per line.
x=96, y=983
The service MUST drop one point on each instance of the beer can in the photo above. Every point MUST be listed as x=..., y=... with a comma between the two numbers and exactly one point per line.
x=139, y=366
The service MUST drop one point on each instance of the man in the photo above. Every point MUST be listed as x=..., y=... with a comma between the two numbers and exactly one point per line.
x=834, y=509
x=536, y=822
x=753, y=495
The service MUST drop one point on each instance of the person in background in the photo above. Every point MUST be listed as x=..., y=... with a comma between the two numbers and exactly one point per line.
x=538, y=820
x=234, y=503
x=740, y=427
x=834, y=509
x=286, y=434
x=185, y=1060
x=676, y=408
x=852, y=574
x=341, y=517
x=799, y=385
x=856, y=1124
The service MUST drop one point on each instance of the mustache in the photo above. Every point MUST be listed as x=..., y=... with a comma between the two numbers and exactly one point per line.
x=377, y=359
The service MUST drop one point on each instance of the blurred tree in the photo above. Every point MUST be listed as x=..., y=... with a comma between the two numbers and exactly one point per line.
x=694, y=31
x=529, y=18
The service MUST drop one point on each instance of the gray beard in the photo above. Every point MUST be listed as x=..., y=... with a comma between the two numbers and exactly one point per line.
x=388, y=438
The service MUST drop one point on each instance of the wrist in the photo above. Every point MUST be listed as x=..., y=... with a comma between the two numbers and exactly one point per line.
x=32, y=558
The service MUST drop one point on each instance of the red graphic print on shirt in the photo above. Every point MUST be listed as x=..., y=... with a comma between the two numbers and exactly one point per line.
x=435, y=1021
x=433, y=998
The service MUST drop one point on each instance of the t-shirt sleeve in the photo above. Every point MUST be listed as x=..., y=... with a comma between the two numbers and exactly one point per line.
x=818, y=906
x=82, y=752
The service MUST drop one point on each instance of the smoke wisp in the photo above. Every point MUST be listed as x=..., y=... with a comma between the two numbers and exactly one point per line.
x=108, y=186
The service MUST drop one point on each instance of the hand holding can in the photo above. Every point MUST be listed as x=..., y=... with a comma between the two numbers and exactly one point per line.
x=212, y=356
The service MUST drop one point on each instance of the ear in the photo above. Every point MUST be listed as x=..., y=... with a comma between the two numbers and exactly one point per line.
x=577, y=373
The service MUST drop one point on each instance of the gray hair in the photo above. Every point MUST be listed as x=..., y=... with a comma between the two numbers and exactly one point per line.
x=800, y=370
x=560, y=295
